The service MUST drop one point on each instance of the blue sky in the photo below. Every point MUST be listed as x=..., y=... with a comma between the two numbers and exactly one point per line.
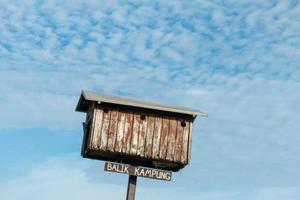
x=239, y=61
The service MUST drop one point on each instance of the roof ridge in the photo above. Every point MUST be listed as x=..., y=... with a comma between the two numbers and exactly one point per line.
x=130, y=101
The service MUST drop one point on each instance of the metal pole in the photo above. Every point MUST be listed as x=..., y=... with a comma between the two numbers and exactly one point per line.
x=131, y=187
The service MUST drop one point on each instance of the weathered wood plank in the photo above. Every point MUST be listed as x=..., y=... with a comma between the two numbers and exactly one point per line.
x=185, y=141
x=171, y=139
x=149, y=135
x=164, y=138
x=178, y=145
x=127, y=132
x=142, y=136
x=190, y=141
x=89, y=125
x=112, y=132
x=135, y=133
x=120, y=131
x=156, y=137
x=105, y=129
x=96, y=127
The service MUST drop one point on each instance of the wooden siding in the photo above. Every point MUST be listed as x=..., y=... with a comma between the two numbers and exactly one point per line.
x=127, y=133
x=112, y=131
x=120, y=132
x=147, y=135
x=190, y=142
x=164, y=137
x=142, y=136
x=104, y=130
x=156, y=137
x=96, y=128
x=172, y=139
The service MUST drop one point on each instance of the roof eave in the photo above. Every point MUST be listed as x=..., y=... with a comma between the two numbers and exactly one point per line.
x=84, y=98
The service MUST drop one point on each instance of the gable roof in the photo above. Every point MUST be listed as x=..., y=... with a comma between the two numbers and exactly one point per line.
x=88, y=96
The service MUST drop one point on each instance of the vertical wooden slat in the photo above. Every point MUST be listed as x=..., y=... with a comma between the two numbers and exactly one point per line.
x=105, y=129
x=171, y=139
x=94, y=133
x=135, y=133
x=178, y=145
x=89, y=125
x=120, y=131
x=164, y=138
x=190, y=141
x=185, y=141
x=96, y=127
x=156, y=136
x=149, y=135
x=127, y=132
x=142, y=136
x=112, y=132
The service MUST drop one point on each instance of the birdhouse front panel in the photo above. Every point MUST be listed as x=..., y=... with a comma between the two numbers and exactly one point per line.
x=115, y=131
x=136, y=132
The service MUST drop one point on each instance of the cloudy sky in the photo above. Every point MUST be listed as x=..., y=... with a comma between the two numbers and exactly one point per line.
x=237, y=60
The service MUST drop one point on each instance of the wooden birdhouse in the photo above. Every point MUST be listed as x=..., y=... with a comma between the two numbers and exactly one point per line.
x=135, y=132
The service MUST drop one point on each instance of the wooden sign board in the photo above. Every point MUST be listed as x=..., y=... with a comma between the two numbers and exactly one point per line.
x=138, y=171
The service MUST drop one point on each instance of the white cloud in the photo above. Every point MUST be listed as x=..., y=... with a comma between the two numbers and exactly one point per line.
x=59, y=178
x=69, y=178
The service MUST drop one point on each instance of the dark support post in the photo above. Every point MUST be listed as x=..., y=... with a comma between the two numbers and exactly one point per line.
x=131, y=187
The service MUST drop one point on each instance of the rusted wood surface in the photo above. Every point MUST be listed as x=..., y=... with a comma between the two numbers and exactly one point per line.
x=171, y=139
x=149, y=136
x=142, y=135
x=105, y=129
x=135, y=133
x=156, y=136
x=146, y=135
x=112, y=131
x=185, y=142
x=164, y=137
x=120, y=132
x=96, y=127
x=190, y=142
x=178, y=144
x=127, y=132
